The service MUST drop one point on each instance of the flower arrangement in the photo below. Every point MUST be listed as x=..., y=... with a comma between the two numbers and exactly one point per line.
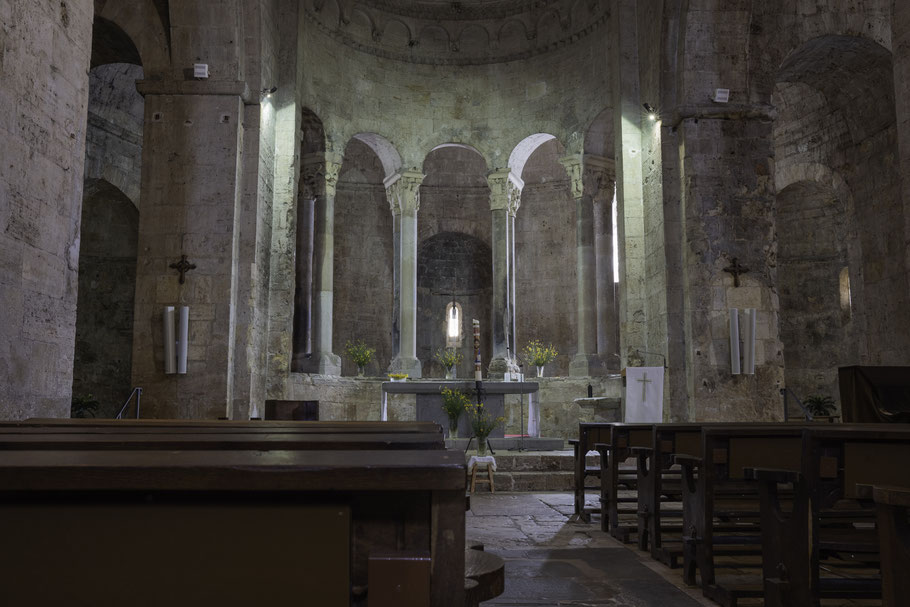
x=537, y=354
x=482, y=424
x=454, y=403
x=398, y=376
x=359, y=354
x=449, y=357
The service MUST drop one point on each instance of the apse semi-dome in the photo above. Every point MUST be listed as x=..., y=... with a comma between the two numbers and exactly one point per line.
x=468, y=32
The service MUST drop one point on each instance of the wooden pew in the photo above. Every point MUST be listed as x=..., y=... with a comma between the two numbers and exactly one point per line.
x=658, y=482
x=892, y=506
x=272, y=441
x=589, y=434
x=210, y=527
x=714, y=486
x=204, y=426
x=616, y=449
x=834, y=462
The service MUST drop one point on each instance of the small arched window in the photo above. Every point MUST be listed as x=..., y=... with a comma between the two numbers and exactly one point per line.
x=453, y=325
x=846, y=303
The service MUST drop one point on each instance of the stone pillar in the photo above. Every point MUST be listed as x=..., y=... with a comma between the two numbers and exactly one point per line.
x=599, y=183
x=396, y=277
x=310, y=174
x=403, y=192
x=191, y=199
x=325, y=179
x=585, y=358
x=505, y=198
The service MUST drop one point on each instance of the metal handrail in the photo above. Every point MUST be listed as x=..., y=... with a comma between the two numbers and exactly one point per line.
x=138, y=392
x=784, y=392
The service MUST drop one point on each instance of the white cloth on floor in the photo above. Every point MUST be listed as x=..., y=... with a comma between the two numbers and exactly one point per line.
x=485, y=459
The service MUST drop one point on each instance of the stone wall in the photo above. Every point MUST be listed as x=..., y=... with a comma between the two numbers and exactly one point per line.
x=418, y=107
x=363, y=259
x=107, y=285
x=44, y=63
x=454, y=234
x=545, y=239
x=838, y=155
x=113, y=147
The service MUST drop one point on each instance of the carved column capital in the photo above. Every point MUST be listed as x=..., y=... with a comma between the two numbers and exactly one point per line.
x=332, y=169
x=574, y=169
x=599, y=178
x=319, y=175
x=505, y=191
x=403, y=191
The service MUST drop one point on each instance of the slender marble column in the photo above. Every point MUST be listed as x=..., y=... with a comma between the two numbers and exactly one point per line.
x=600, y=182
x=310, y=178
x=505, y=198
x=323, y=360
x=585, y=361
x=403, y=193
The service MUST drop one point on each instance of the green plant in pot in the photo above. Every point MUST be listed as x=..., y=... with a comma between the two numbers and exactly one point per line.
x=819, y=406
x=482, y=424
x=359, y=354
x=85, y=406
x=454, y=403
x=449, y=359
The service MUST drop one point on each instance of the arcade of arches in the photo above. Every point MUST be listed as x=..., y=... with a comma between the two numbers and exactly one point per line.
x=350, y=168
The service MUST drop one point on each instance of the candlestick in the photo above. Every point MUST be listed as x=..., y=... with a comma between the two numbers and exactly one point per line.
x=478, y=375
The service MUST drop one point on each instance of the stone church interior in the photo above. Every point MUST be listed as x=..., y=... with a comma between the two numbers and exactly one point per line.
x=455, y=303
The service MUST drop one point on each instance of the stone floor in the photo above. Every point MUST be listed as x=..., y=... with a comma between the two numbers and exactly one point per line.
x=554, y=560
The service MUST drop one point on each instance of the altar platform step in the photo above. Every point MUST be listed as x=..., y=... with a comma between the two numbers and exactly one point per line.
x=512, y=444
x=537, y=470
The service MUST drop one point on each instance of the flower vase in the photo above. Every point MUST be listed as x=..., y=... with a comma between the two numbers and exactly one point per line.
x=453, y=429
x=539, y=370
x=360, y=370
x=481, y=446
x=450, y=372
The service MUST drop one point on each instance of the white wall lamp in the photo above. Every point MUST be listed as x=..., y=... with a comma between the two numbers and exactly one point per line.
x=176, y=339
x=742, y=355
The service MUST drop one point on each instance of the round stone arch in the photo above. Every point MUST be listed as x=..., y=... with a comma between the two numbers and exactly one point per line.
x=817, y=250
x=386, y=152
x=146, y=27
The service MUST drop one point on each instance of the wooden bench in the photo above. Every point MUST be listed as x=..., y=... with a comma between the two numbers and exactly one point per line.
x=589, y=434
x=659, y=483
x=84, y=503
x=892, y=506
x=835, y=462
x=614, y=451
x=715, y=491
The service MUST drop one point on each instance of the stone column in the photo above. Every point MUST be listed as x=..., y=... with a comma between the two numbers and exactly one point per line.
x=322, y=360
x=396, y=269
x=585, y=358
x=600, y=182
x=505, y=198
x=403, y=192
x=310, y=175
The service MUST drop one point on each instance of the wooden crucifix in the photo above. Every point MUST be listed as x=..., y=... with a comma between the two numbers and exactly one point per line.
x=183, y=266
x=736, y=270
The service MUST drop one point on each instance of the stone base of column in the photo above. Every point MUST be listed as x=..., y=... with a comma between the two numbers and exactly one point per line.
x=411, y=366
x=587, y=365
x=322, y=363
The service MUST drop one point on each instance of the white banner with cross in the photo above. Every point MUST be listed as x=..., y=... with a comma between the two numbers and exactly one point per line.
x=644, y=395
